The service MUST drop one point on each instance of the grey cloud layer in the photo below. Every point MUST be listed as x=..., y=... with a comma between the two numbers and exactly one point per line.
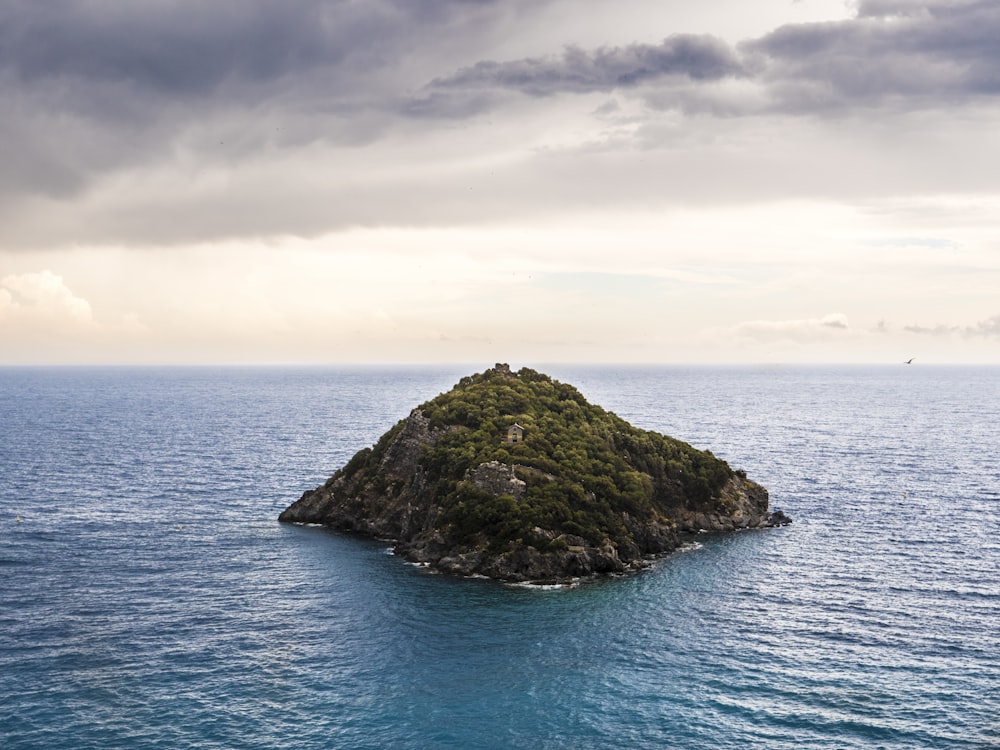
x=190, y=47
x=92, y=90
x=184, y=48
x=923, y=54
x=697, y=57
x=926, y=54
x=91, y=86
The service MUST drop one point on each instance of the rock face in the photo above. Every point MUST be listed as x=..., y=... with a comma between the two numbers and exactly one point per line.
x=498, y=479
x=583, y=494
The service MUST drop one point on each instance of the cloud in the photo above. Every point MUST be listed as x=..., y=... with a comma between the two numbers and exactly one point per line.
x=91, y=88
x=989, y=328
x=191, y=49
x=178, y=49
x=664, y=75
x=925, y=55
x=802, y=330
x=697, y=57
x=906, y=55
x=938, y=330
x=43, y=320
x=146, y=124
x=41, y=299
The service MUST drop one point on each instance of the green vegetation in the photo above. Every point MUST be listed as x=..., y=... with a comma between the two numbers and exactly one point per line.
x=586, y=470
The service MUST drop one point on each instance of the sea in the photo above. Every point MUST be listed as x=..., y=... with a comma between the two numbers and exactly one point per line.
x=150, y=599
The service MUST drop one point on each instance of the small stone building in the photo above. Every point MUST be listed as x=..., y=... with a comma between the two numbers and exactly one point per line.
x=515, y=434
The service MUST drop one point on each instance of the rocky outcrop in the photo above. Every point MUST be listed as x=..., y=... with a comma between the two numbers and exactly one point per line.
x=394, y=503
x=540, y=515
x=743, y=505
x=495, y=478
x=777, y=518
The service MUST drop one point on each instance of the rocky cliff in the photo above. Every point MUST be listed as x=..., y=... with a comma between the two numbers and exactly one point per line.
x=582, y=493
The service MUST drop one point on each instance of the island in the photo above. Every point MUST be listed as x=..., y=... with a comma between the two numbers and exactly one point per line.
x=515, y=476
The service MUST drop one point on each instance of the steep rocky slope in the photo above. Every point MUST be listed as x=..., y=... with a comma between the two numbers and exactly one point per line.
x=516, y=477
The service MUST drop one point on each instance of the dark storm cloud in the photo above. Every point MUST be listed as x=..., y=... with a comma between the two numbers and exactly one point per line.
x=185, y=47
x=197, y=110
x=579, y=71
x=914, y=55
x=91, y=86
x=906, y=54
x=180, y=48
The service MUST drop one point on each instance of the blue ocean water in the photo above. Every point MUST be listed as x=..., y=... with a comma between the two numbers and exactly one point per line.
x=149, y=598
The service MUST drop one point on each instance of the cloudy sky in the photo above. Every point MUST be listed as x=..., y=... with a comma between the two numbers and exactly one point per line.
x=331, y=181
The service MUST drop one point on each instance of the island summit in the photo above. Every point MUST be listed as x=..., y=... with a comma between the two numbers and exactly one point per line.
x=514, y=476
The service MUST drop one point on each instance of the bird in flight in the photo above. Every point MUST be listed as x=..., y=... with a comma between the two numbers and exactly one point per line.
x=909, y=361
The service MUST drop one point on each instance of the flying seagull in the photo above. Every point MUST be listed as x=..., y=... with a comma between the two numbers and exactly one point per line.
x=909, y=361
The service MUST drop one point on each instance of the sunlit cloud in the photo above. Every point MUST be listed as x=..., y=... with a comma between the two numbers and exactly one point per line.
x=39, y=299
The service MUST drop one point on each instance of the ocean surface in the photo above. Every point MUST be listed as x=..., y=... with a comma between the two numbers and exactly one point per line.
x=149, y=598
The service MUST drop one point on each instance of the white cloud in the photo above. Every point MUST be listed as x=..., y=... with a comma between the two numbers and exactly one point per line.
x=41, y=298
x=43, y=320
x=989, y=328
x=804, y=330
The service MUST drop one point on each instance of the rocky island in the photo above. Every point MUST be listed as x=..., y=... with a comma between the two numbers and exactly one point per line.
x=515, y=476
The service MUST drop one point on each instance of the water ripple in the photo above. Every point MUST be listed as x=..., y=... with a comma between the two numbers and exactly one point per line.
x=150, y=600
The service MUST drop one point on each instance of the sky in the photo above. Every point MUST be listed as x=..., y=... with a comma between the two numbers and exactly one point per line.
x=533, y=181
